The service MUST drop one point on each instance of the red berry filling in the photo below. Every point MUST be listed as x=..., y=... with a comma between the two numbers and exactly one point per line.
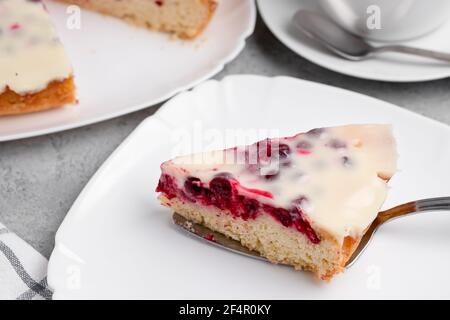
x=14, y=26
x=222, y=192
x=168, y=186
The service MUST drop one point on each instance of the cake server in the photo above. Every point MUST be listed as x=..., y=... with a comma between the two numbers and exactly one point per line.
x=222, y=241
x=347, y=45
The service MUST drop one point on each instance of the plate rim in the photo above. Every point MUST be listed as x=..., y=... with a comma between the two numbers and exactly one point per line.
x=240, y=45
x=286, y=42
x=59, y=241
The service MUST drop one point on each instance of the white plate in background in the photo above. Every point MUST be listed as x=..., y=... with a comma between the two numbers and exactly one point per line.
x=386, y=67
x=120, y=68
x=117, y=241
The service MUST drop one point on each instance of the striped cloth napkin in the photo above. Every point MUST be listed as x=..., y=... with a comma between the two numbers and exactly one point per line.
x=23, y=270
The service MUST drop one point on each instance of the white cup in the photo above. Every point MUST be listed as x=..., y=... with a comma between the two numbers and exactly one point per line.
x=388, y=20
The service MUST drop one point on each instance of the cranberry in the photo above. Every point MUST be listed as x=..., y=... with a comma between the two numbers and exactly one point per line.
x=193, y=186
x=336, y=144
x=295, y=215
x=250, y=207
x=280, y=214
x=160, y=187
x=303, y=226
x=159, y=3
x=168, y=186
x=300, y=225
x=312, y=236
x=208, y=196
x=221, y=187
x=284, y=216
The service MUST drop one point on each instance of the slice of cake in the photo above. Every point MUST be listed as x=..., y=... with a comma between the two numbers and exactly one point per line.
x=35, y=73
x=304, y=201
x=184, y=18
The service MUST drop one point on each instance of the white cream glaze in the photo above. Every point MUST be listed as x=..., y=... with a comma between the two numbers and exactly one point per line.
x=31, y=55
x=342, y=184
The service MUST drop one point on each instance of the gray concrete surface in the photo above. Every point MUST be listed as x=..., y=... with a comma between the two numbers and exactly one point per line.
x=41, y=177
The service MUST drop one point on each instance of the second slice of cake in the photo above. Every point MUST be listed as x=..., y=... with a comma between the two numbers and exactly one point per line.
x=184, y=18
x=35, y=73
x=304, y=201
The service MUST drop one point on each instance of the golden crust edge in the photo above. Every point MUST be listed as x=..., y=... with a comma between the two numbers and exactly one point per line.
x=57, y=94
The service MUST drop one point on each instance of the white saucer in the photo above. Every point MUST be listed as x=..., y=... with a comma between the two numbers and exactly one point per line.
x=387, y=67
x=117, y=241
x=120, y=68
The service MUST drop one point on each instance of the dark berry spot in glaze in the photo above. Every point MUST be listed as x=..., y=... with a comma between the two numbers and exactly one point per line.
x=346, y=161
x=193, y=186
x=336, y=144
x=14, y=26
x=250, y=207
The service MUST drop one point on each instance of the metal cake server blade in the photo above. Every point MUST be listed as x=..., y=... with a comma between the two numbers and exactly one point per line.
x=214, y=238
x=220, y=240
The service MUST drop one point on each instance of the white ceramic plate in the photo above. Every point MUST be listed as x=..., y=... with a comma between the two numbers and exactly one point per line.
x=387, y=67
x=118, y=242
x=120, y=68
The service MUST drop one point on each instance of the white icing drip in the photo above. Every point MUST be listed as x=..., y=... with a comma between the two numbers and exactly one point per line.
x=31, y=56
x=341, y=184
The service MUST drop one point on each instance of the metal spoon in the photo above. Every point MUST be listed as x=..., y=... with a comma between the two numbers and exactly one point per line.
x=343, y=43
x=215, y=238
